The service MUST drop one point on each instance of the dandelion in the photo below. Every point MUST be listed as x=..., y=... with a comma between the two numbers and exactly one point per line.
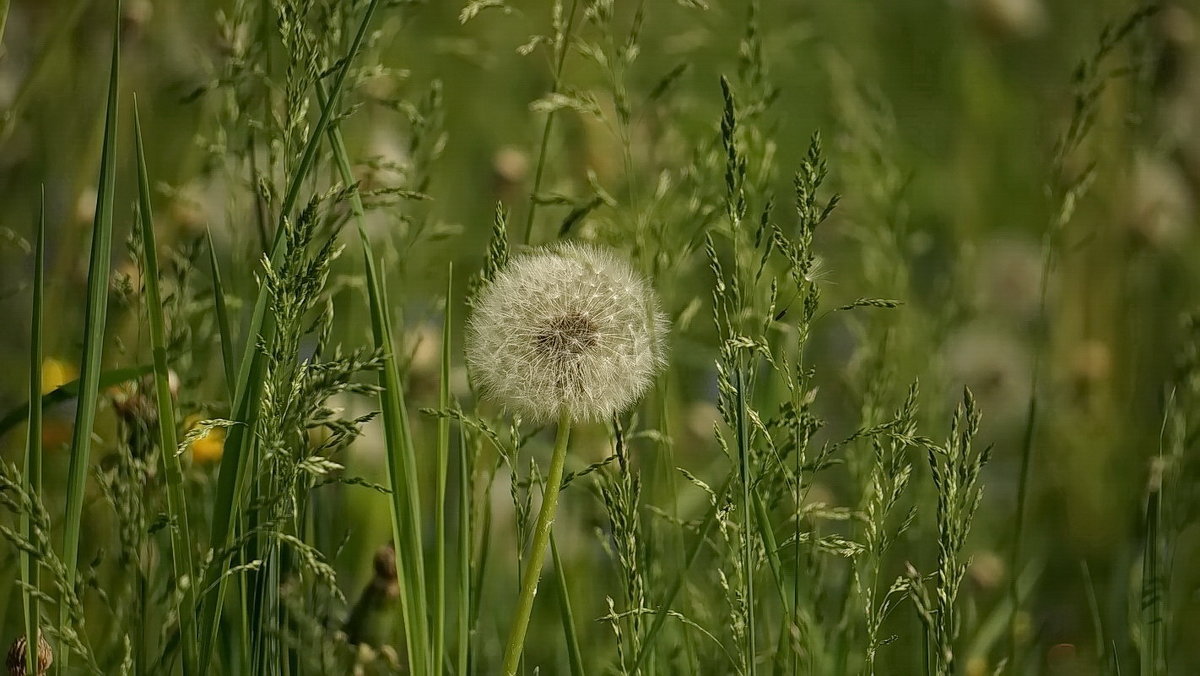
x=573, y=333
x=566, y=329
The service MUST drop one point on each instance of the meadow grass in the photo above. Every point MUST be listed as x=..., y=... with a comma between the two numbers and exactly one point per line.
x=246, y=452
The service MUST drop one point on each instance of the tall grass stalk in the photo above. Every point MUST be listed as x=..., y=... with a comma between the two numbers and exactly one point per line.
x=562, y=46
x=30, y=566
x=464, y=551
x=181, y=533
x=404, y=503
x=235, y=465
x=96, y=313
x=442, y=461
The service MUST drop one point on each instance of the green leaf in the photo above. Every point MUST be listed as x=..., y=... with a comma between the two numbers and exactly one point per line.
x=33, y=443
x=93, y=332
x=181, y=534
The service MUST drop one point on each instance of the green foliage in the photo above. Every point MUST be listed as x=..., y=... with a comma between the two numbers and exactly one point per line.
x=277, y=461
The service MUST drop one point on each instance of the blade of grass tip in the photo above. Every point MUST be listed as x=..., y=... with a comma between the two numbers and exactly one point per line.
x=33, y=447
x=574, y=657
x=464, y=554
x=93, y=339
x=222, y=313
x=70, y=390
x=232, y=475
x=181, y=534
x=660, y=616
x=443, y=463
x=397, y=436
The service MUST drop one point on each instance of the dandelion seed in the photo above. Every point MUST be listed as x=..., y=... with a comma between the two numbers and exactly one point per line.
x=568, y=328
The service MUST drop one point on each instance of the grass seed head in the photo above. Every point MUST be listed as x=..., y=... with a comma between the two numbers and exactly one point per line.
x=567, y=327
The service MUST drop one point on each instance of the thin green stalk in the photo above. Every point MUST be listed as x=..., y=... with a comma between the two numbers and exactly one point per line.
x=232, y=480
x=33, y=447
x=181, y=534
x=563, y=47
x=402, y=469
x=93, y=333
x=537, y=551
x=574, y=656
x=743, y=442
x=443, y=466
x=464, y=554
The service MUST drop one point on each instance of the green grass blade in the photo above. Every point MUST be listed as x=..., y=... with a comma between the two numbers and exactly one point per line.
x=232, y=478
x=574, y=656
x=405, y=503
x=464, y=555
x=69, y=391
x=33, y=443
x=443, y=463
x=743, y=443
x=181, y=534
x=222, y=313
x=401, y=460
x=763, y=522
x=93, y=332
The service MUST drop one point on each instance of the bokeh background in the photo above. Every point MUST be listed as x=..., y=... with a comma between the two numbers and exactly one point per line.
x=940, y=120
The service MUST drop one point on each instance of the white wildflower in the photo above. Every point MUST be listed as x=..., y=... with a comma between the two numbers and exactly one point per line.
x=570, y=328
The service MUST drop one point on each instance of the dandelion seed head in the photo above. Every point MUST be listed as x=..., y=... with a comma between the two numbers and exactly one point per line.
x=567, y=327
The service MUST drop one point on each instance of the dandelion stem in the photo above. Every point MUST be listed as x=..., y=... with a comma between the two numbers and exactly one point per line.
x=537, y=552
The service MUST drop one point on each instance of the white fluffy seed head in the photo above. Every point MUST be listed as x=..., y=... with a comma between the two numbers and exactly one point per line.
x=570, y=327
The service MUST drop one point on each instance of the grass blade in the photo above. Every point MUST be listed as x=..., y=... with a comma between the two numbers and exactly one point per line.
x=93, y=332
x=233, y=475
x=744, y=472
x=574, y=656
x=402, y=471
x=70, y=390
x=401, y=457
x=181, y=533
x=33, y=444
x=464, y=554
x=443, y=466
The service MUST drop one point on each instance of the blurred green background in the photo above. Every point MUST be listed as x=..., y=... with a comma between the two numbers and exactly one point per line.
x=945, y=112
